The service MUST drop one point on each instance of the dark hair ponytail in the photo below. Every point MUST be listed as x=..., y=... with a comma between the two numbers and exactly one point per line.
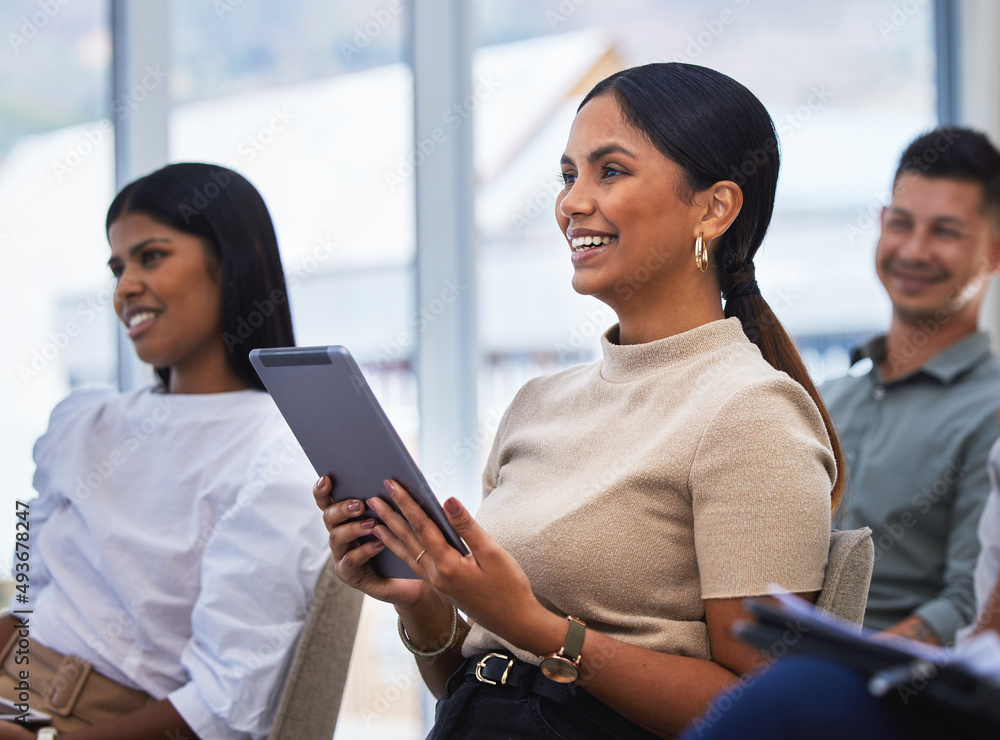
x=715, y=129
x=226, y=211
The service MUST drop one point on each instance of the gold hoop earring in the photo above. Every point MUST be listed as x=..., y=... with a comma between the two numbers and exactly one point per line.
x=700, y=254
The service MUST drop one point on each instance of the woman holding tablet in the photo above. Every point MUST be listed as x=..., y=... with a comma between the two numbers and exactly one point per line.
x=603, y=610
x=173, y=556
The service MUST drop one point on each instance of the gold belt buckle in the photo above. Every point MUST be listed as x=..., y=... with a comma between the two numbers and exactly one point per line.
x=482, y=664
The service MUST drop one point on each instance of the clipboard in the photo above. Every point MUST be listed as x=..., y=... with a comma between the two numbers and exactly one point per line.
x=910, y=668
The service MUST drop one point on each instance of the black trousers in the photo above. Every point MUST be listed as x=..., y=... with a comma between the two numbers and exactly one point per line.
x=805, y=698
x=484, y=712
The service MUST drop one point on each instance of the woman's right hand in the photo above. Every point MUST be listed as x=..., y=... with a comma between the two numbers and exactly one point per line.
x=353, y=558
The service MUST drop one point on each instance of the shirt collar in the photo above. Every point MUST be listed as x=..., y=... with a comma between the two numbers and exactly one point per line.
x=946, y=365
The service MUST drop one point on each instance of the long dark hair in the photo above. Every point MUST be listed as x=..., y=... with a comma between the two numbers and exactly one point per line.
x=715, y=129
x=226, y=211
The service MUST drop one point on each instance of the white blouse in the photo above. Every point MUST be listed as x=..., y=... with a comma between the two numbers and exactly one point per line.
x=175, y=545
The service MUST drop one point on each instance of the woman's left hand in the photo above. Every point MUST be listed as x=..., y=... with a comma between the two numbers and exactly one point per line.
x=487, y=584
x=14, y=731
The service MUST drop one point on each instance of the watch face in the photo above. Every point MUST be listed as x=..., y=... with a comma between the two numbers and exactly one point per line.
x=560, y=670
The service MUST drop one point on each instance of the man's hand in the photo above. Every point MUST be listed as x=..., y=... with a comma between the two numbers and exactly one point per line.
x=914, y=628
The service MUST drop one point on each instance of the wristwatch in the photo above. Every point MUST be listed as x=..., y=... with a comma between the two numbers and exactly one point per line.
x=47, y=733
x=564, y=666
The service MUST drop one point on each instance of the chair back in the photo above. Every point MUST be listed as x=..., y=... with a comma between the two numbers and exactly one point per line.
x=314, y=685
x=848, y=574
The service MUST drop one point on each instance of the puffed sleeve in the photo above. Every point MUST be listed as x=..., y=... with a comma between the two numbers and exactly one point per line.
x=71, y=416
x=760, y=488
x=258, y=574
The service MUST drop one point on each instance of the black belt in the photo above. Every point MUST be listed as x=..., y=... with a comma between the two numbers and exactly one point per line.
x=500, y=669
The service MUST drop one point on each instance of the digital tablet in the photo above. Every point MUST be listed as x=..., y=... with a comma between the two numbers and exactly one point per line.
x=346, y=435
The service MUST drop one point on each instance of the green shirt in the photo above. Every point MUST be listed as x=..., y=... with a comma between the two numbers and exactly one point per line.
x=916, y=451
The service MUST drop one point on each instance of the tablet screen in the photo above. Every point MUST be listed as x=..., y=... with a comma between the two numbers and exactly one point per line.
x=331, y=410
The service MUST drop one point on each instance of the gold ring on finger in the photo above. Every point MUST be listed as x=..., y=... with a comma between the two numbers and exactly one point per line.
x=417, y=559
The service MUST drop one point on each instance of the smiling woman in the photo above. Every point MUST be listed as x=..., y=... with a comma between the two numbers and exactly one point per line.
x=630, y=505
x=169, y=296
x=173, y=553
x=630, y=222
x=199, y=237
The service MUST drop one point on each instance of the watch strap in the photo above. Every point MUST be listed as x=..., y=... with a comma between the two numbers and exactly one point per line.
x=574, y=638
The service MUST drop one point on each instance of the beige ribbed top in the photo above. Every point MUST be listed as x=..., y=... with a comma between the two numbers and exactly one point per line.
x=666, y=473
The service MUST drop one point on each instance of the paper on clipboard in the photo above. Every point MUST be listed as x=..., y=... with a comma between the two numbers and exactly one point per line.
x=917, y=650
x=958, y=680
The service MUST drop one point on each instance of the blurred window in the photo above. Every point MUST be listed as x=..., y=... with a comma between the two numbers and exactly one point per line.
x=56, y=180
x=312, y=101
x=848, y=86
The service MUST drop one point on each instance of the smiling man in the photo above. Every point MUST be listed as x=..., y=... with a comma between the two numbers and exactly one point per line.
x=917, y=414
